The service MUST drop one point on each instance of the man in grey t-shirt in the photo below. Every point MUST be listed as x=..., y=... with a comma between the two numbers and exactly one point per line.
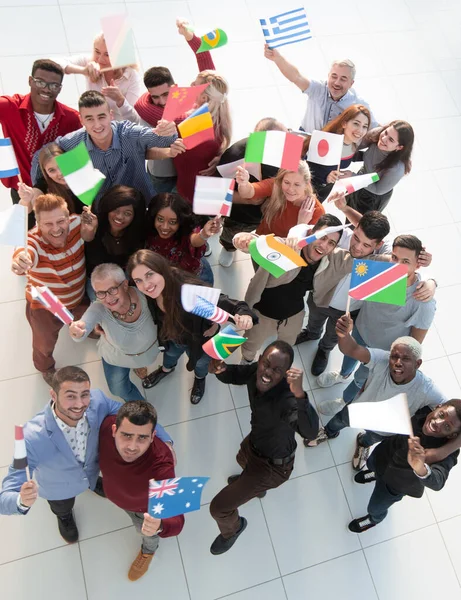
x=390, y=373
x=327, y=99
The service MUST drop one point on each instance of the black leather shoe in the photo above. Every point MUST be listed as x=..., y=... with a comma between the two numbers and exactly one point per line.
x=68, y=528
x=233, y=478
x=320, y=362
x=155, y=377
x=306, y=336
x=221, y=545
x=99, y=488
x=198, y=389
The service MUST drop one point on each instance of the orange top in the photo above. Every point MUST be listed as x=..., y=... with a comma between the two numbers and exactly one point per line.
x=62, y=270
x=285, y=220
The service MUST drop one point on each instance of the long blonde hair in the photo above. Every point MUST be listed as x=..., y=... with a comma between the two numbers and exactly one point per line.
x=218, y=104
x=277, y=202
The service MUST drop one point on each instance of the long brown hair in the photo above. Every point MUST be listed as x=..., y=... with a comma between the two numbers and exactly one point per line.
x=173, y=327
x=44, y=157
x=406, y=139
x=337, y=125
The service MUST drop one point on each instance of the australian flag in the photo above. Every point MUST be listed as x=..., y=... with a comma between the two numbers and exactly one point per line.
x=172, y=497
x=287, y=28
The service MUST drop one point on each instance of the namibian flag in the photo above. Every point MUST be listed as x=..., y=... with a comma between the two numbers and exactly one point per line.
x=275, y=148
x=223, y=343
x=20, y=453
x=273, y=256
x=197, y=128
x=379, y=282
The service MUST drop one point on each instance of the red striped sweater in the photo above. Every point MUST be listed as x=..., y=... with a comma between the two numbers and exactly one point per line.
x=61, y=269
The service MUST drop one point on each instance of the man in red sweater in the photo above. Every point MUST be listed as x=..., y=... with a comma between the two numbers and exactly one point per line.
x=33, y=120
x=129, y=455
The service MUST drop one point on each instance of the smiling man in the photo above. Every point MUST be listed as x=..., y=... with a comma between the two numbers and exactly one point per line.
x=117, y=148
x=400, y=466
x=327, y=99
x=131, y=455
x=390, y=373
x=279, y=408
x=54, y=257
x=33, y=120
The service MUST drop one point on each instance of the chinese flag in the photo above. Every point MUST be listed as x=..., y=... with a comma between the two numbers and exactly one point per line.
x=181, y=99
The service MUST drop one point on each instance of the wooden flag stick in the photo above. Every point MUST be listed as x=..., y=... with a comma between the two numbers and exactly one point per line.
x=348, y=305
x=107, y=69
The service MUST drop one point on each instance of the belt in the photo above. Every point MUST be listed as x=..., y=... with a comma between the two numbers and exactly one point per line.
x=278, y=462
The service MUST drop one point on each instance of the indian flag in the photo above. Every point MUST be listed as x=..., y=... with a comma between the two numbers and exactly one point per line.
x=273, y=256
x=274, y=148
x=353, y=184
x=223, y=343
x=376, y=281
x=80, y=175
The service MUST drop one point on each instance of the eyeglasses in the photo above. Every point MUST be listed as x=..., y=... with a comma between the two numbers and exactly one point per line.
x=53, y=87
x=111, y=291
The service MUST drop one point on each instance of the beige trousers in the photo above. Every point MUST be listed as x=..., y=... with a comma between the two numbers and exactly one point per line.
x=286, y=330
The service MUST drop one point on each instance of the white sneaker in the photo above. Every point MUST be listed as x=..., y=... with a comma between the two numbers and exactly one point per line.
x=330, y=407
x=226, y=258
x=331, y=378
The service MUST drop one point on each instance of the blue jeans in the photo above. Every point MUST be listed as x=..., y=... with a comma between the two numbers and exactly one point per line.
x=360, y=376
x=175, y=351
x=341, y=420
x=119, y=382
x=382, y=498
x=90, y=291
x=206, y=273
x=163, y=184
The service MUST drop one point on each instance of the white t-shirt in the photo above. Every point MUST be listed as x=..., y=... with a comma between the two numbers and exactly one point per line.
x=43, y=120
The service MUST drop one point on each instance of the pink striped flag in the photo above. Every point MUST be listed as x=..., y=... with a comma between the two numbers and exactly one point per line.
x=52, y=303
x=205, y=309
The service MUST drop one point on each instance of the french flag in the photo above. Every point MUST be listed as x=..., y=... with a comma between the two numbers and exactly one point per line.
x=20, y=454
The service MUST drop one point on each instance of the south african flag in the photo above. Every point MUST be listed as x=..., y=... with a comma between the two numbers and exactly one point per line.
x=223, y=343
x=375, y=281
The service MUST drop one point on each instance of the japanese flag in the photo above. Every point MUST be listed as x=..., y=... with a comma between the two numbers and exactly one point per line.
x=325, y=148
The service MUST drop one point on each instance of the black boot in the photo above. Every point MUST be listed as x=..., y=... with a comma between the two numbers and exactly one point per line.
x=320, y=362
x=198, y=389
x=68, y=528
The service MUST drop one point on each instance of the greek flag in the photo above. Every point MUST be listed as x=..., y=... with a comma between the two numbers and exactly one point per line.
x=287, y=28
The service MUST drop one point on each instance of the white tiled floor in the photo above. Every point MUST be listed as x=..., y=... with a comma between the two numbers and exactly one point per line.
x=297, y=544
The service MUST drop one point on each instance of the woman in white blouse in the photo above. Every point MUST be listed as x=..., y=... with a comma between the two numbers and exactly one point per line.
x=121, y=87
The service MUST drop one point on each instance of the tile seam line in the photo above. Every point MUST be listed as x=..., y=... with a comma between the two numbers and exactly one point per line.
x=251, y=587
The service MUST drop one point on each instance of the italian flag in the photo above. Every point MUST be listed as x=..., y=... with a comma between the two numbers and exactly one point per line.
x=274, y=148
x=80, y=175
x=273, y=256
x=353, y=184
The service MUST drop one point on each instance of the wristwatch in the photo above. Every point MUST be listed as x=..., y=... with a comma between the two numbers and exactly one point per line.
x=429, y=472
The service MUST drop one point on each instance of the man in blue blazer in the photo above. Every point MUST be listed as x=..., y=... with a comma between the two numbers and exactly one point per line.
x=62, y=450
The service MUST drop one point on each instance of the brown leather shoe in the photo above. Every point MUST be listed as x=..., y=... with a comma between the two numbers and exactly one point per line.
x=140, y=565
x=141, y=372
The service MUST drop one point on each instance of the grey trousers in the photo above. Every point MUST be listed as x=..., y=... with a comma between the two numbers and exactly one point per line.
x=317, y=318
x=149, y=543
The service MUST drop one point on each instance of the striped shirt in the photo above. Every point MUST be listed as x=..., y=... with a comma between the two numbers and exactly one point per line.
x=61, y=269
x=124, y=162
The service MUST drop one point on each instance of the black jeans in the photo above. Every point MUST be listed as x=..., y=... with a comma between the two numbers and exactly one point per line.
x=382, y=498
x=62, y=508
x=317, y=318
x=341, y=420
x=363, y=201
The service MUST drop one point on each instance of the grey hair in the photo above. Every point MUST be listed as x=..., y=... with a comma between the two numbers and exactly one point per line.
x=107, y=270
x=346, y=62
x=415, y=347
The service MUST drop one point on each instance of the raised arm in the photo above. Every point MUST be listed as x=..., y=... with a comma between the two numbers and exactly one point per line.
x=346, y=342
x=204, y=59
x=287, y=69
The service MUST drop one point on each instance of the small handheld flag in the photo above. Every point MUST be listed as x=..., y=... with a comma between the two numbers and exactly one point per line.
x=325, y=148
x=181, y=99
x=205, y=309
x=20, y=452
x=221, y=345
x=172, y=497
x=391, y=415
x=275, y=148
x=80, y=175
x=287, y=28
x=320, y=234
x=353, y=184
x=229, y=170
x=197, y=128
x=376, y=281
x=189, y=294
x=8, y=163
x=46, y=297
x=213, y=195
x=273, y=256
x=213, y=39
x=119, y=39
x=13, y=226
